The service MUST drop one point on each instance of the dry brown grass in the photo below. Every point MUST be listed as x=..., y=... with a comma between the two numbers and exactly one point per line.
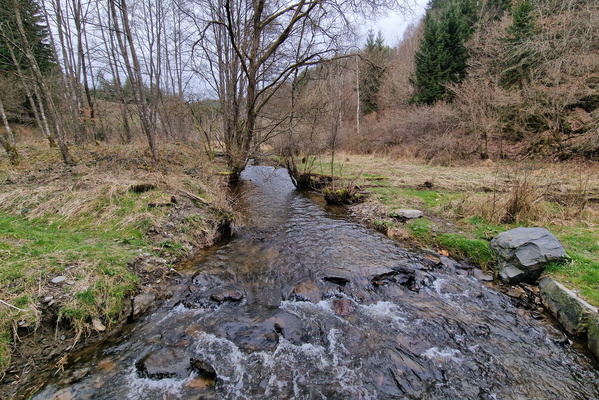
x=499, y=191
x=42, y=186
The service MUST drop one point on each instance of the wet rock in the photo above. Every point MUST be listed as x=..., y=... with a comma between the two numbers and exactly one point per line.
x=106, y=365
x=336, y=280
x=98, y=325
x=141, y=303
x=561, y=340
x=64, y=394
x=522, y=253
x=279, y=330
x=515, y=292
x=232, y=296
x=76, y=376
x=59, y=279
x=407, y=276
x=306, y=291
x=481, y=276
x=449, y=263
x=574, y=314
x=202, y=369
x=343, y=307
x=164, y=363
x=200, y=383
x=536, y=315
x=405, y=214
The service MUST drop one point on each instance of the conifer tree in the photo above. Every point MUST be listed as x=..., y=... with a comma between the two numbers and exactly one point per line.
x=36, y=31
x=376, y=55
x=520, y=57
x=442, y=57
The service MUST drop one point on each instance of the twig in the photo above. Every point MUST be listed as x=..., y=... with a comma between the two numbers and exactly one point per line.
x=193, y=197
x=10, y=305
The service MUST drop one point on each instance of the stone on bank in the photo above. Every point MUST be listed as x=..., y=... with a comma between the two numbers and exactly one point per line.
x=575, y=315
x=522, y=253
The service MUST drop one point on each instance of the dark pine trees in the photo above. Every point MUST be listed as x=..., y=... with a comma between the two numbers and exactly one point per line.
x=376, y=55
x=442, y=57
x=520, y=52
x=35, y=29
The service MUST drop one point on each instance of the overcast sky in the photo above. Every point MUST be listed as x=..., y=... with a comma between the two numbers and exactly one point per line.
x=393, y=26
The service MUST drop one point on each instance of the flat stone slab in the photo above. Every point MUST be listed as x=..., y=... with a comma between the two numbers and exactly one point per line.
x=59, y=279
x=406, y=214
x=574, y=314
x=593, y=336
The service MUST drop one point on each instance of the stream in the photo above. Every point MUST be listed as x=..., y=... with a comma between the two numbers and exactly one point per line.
x=301, y=303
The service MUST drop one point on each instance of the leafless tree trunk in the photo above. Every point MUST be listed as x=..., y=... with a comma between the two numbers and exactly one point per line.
x=133, y=71
x=110, y=46
x=258, y=54
x=46, y=95
x=8, y=142
x=81, y=52
x=72, y=93
x=38, y=112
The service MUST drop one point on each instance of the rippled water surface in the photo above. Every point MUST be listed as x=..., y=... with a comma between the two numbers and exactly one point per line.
x=302, y=304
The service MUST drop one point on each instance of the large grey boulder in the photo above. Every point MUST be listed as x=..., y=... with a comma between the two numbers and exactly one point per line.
x=522, y=253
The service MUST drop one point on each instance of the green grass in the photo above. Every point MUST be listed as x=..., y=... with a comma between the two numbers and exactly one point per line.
x=477, y=250
x=582, y=245
x=93, y=255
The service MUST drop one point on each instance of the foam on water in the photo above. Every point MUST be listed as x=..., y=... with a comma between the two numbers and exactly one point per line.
x=387, y=313
x=445, y=354
x=146, y=388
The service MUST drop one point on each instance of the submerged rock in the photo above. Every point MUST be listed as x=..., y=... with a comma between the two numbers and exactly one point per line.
x=481, y=275
x=522, y=253
x=306, y=291
x=338, y=280
x=343, y=307
x=231, y=296
x=173, y=363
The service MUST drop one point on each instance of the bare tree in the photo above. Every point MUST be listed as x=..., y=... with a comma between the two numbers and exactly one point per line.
x=252, y=48
x=120, y=15
x=8, y=141
x=41, y=85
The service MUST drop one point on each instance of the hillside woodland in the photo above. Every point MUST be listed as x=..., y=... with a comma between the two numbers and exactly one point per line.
x=497, y=79
x=512, y=80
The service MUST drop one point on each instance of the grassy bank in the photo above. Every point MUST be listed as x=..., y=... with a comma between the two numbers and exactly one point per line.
x=71, y=238
x=466, y=206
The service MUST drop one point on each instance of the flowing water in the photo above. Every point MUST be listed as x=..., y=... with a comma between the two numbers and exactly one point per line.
x=303, y=304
